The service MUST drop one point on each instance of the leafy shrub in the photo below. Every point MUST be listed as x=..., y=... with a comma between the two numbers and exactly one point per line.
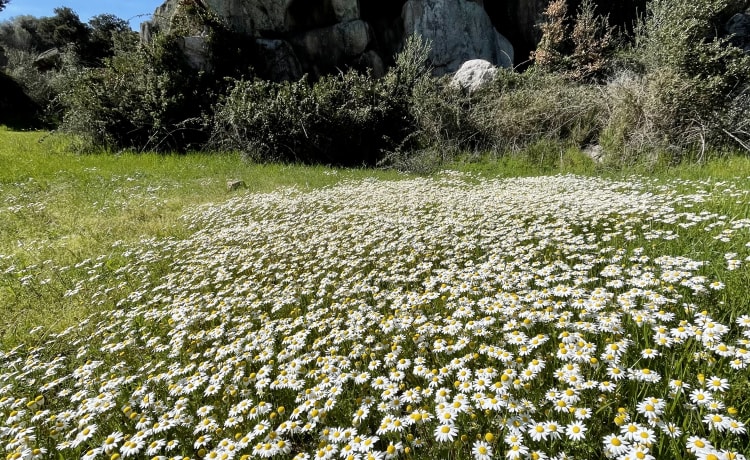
x=144, y=98
x=521, y=109
x=345, y=119
x=582, y=51
x=42, y=87
x=694, y=83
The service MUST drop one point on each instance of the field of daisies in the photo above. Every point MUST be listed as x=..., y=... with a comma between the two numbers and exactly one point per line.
x=449, y=317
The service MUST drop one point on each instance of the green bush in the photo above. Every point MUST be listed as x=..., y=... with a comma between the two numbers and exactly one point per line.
x=694, y=81
x=523, y=108
x=146, y=98
x=345, y=119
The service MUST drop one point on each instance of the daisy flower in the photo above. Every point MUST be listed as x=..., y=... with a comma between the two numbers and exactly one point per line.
x=481, y=450
x=576, y=431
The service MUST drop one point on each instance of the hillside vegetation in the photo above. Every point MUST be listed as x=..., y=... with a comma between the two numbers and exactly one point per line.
x=676, y=89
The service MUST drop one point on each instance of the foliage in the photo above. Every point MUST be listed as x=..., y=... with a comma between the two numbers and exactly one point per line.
x=105, y=30
x=144, y=98
x=582, y=53
x=521, y=109
x=350, y=118
x=42, y=87
x=691, y=83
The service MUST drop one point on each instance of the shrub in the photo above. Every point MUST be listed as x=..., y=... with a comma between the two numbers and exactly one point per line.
x=345, y=119
x=42, y=87
x=694, y=82
x=146, y=98
x=521, y=109
x=581, y=52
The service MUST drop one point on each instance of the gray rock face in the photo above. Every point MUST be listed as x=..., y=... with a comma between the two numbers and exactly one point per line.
x=474, y=74
x=345, y=10
x=738, y=29
x=277, y=59
x=328, y=46
x=459, y=31
x=253, y=17
x=196, y=52
x=316, y=37
x=48, y=60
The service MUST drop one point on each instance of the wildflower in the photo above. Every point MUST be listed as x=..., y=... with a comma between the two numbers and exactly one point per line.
x=445, y=432
x=537, y=432
x=131, y=447
x=701, y=397
x=576, y=431
x=717, y=384
x=697, y=444
x=615, y=444
x=481, y=450
x=716, y=421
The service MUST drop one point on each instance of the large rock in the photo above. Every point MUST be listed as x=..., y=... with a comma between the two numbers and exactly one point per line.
x=48, y=60
x=253, y=17
x=321, y=36
x=196, y=51
x=277, y=60
x=474, y=74
x=738, y=29
x=323, y=49
x=458, y=31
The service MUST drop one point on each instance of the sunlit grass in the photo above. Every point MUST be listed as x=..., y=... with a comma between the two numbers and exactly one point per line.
x=61, y=207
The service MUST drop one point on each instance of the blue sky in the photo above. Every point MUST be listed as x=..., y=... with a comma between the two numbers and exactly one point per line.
x=134, y=11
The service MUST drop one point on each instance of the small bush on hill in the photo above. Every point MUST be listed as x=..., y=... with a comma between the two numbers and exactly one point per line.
x=690, y=92
x=521, y=109
x=582, y=50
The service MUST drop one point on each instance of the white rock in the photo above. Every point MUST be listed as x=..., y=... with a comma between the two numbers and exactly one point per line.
x=474, y=74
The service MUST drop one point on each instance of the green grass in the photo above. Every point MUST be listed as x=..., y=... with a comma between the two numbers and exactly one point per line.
x=58, y=208
x=65, y=208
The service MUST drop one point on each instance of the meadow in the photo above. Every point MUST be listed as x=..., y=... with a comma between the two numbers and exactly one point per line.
x=499, y=309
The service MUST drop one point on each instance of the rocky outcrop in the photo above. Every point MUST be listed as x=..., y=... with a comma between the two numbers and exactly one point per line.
x=738, y=30
x=48, y=60
x=458, y=31
x=316, y=37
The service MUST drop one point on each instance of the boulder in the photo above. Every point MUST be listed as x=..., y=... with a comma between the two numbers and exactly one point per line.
x=370, y=60
x=197, y=52
x=277, y=60
x=738, y=29
x=321, y=50
x=474, y=74
x=48, y=60
x=345, y=10
x=235, y=184
x=256, y=18
x=458, y=31
x=316, y=37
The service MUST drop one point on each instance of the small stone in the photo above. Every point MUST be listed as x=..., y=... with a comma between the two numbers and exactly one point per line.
x=235, y=184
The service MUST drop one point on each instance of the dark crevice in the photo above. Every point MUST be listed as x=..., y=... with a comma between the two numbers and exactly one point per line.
x=310, y=14
x=384, y=18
